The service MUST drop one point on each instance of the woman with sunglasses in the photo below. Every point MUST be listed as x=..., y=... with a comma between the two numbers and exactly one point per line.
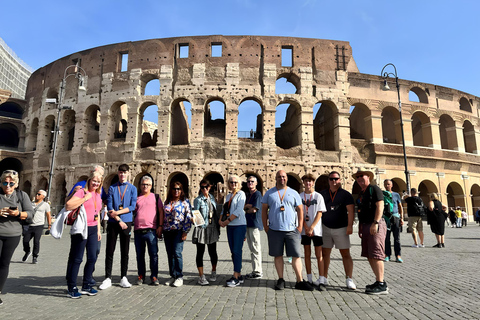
x=207, y=234
x=233, y=217
x=91, y=200
x=177, y=221
x=15, y=206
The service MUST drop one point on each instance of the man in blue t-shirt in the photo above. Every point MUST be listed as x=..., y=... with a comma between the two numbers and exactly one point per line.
x=282, y=216
x=395, y=223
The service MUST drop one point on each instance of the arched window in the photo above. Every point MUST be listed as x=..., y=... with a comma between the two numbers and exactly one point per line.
x=359, y=114
x=32, y=136
x=92, y=124
x=391, y=125
x=417, y=94
x=469, y=137
x=149, y=125
x=250, y=120
x=214, y=120
x=455, y=195
x=179, y=125
x=294, y=182
x=324, y=122
x=287, y=125
x=9, y=135
x=421, y=130
x=182, y=178
x=448, y=134
x=152, y=88
x=11, y=110
x=118, y=121
x=465, y=105
x=287, y=84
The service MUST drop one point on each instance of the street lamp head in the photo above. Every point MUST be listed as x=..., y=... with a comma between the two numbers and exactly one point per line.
x=81, y=83
x=385, y=85
x=51, y=100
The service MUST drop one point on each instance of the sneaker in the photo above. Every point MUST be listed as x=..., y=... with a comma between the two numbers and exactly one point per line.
x=170, y=282
x=124, y=283
x=378, y=288
x=387, y=259
x=443, y=245
x=74, y=294
x=241, y=279
x=438, y=245
x=89, y=291
x=350, y=284
x=280, y=284
x=154, y=282
x=178, y=282
x=26, y=256
x=213, y=276
x=415, y=246
x=304, y=285
x=202, y=281
x=232, y=282
x=254, y=275
x=399, y=259
x=421, y=246
x=35, y=260
x=321, y=281
x=107, y=283
x=290, y=259
x=140, y=281
x=1, y=302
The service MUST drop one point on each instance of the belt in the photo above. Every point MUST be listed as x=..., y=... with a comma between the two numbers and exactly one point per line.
x=144, y=231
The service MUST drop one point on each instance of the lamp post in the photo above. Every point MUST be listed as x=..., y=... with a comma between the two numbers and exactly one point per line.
x=385, y=75
x=79, y=73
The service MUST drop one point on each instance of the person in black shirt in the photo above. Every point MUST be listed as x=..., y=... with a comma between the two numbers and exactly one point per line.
x=414, y=207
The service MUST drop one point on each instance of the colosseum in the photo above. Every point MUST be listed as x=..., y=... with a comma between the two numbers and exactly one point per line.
x=336, y=118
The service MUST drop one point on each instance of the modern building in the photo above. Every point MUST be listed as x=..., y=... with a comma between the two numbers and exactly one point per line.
x=336, y=118
x=14, y=73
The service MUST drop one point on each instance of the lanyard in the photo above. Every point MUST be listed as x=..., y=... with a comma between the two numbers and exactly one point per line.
x=231, y=198
x=122, y=195
x=332, y=198
x=284, y=193
x=305, y=201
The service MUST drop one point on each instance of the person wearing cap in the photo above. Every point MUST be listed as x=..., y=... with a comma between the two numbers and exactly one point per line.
x=41, y=209
x=313, y=207
x=121, y=202
x=372, y=229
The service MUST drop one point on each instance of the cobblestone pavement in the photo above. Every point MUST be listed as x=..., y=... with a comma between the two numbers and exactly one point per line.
x=432, y=283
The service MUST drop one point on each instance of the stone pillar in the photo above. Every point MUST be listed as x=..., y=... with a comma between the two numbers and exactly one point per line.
x=476, y=141
x=459, y=141
x=231, y=131
x=373, y=129
x=307, y=137
x=342, y=135
x=435, y=130
x=407, y=131
x=269, y=147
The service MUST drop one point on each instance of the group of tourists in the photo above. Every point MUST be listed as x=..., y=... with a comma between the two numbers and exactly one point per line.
x=290, y=220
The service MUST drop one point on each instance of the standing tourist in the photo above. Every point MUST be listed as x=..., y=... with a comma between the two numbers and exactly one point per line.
x=282, y=217
x=395, y=223
x=177, y=221
x=437, y=217
x=337, y=226
x=233, y=217
x=313, y=207
x=148, y=216
x=207, y=234
x=458, y=216
x=122, y=198
x=86, y=236
x=372, y=228
x=15, y=206
x=41, y=209
x=464, y=218
x=253, y=214
x=415, y=209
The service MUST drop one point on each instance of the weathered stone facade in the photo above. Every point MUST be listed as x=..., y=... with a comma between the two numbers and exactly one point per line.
x=105, y=126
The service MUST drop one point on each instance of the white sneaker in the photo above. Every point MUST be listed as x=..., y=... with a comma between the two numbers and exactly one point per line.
x=318, y=281
x=170, y=281
x=124, y=283
x=350, y=284
x=213, y=276
x=415, y=246
x=107, y=283
x=421, y=246
x=202, y=281
x=178, y=282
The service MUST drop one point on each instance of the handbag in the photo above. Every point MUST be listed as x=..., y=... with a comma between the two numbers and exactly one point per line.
x=73, y=215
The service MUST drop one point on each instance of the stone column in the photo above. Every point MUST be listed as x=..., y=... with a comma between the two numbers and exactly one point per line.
x=435, y=130
x=459, y=141
x=407, y=131
x=373, y=129
x=231, y=131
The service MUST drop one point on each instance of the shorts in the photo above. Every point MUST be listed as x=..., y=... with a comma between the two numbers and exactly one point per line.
x=373, y=247
x=290, y=240
x=336, y=237
x=415, y=223
x=317, y=241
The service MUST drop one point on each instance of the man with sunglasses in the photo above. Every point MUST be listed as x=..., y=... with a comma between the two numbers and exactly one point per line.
x=372, y=229
x=41, y=209
x=253, y=215
x=337, y=223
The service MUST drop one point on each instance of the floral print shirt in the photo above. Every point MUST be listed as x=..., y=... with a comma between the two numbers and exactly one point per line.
x=177, y=216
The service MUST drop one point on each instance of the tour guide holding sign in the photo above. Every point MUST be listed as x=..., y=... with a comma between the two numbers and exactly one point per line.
x=122, y=198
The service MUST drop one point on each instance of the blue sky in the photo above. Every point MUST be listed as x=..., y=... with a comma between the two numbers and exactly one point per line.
x=432, y=41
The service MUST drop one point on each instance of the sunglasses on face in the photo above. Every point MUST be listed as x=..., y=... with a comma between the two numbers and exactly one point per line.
x=145, y=185
x=233, y=182
x=176, y=189
x=12, y=172
x=39, y=194
x=333, y=179
x=251, y=181
x=359, y=176
x=204, y=187
x=8, y=184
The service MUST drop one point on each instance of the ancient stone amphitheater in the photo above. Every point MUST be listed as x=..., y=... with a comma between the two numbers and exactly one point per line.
x=337, y=118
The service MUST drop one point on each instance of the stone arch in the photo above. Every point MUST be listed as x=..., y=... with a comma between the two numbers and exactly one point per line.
x=287, y=83
x=118, y=123
x=82, y=178
x=92, y=124
x=288, y=132
x=259, y=181
x=67, y=136
x=455, y=195
x=399, y=186
x=325, y=122
x=322, y=183
x=148, y=130
x=465, y=104
x=475, y=195
x=391, y=125
x=11, y=164
x=248, y=110
x=179, y=128
x=214, y=127
x=426, y=188
x=10, y=109
x=52, y=93
x=294, y=182
x=43, y=184
x=27, y=187
x=216, y=179
x=448, y=134
x=359, y=116
x=421, y=130
x=31, y=144
x=150, y=85
x=469, y=137
x=110, y=180
x=182, y=178
x=48, y=128
x=9, y=135
x=419, y=93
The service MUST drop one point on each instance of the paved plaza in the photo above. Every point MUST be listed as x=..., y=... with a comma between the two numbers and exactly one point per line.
x=433, y=283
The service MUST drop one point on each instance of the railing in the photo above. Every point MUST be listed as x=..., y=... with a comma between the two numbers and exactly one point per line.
x=249, y=134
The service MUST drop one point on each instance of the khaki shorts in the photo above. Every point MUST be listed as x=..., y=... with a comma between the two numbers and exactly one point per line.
x=415, y=223
x=335, y=237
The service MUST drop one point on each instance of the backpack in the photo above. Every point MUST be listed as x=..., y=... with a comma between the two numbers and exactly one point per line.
x=420, y=208
x=388, y=204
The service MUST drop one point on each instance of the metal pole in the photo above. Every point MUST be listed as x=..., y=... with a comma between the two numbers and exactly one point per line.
x=407, y=175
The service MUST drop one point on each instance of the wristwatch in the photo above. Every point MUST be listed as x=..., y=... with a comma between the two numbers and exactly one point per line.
x=375, y=221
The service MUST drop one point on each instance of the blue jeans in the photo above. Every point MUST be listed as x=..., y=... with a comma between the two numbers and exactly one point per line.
x=75, y=258
x=149, y=238
x=395, y=229
x=174, y=246
x=236, y=237
x=459, y=222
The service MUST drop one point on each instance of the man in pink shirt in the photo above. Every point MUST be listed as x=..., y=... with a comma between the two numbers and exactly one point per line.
x=148, y=216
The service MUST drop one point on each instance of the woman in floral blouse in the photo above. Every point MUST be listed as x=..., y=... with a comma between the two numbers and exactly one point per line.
x=176, y=224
